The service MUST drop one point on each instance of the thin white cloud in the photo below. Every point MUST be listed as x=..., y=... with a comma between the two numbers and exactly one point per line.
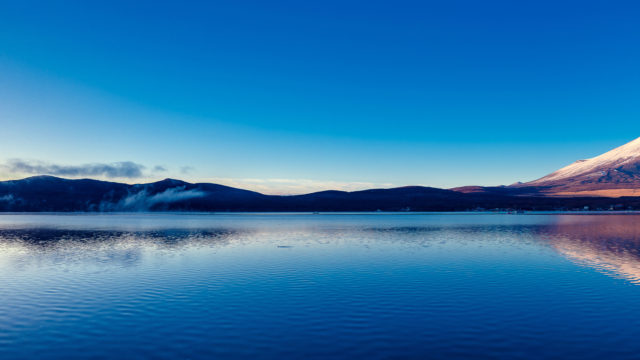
x=186, y=169
x=296, y=186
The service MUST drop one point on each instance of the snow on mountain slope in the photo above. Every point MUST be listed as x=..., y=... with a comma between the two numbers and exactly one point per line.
x=616, y=173
x=628, y=154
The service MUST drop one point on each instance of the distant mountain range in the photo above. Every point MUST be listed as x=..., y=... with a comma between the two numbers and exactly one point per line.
x=611, y=180
x=52, y=194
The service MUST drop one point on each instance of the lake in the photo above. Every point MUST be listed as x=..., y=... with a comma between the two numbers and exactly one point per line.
x=339, y=286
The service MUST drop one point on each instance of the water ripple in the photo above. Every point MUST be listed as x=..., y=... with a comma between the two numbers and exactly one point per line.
x=347, y=286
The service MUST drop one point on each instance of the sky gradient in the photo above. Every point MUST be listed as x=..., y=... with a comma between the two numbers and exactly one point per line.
x=291, y=97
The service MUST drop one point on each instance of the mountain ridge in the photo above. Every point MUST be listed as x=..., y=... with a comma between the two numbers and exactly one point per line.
x=605, y=181
x=53, y=194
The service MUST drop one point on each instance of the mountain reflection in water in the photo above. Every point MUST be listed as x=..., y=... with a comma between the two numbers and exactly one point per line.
x=610, y=244
x=607, y=243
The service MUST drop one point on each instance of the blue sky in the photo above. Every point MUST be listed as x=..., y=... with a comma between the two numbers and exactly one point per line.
x=289, y=97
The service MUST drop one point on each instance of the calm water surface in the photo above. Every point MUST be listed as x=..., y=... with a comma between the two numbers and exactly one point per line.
x=372, y=286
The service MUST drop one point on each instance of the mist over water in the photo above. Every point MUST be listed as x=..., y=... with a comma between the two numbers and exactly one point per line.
x=319, y=286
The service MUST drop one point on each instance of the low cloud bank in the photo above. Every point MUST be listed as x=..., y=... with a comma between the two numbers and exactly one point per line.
x=124, y=169
x=143, y=201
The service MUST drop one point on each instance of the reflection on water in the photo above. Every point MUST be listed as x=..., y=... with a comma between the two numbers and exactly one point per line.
x=50, y=240
x=101, y=246
x=319, y=286
x=610, y=244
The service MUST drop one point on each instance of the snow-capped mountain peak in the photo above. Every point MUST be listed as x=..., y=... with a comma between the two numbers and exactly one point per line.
x=618, y=169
